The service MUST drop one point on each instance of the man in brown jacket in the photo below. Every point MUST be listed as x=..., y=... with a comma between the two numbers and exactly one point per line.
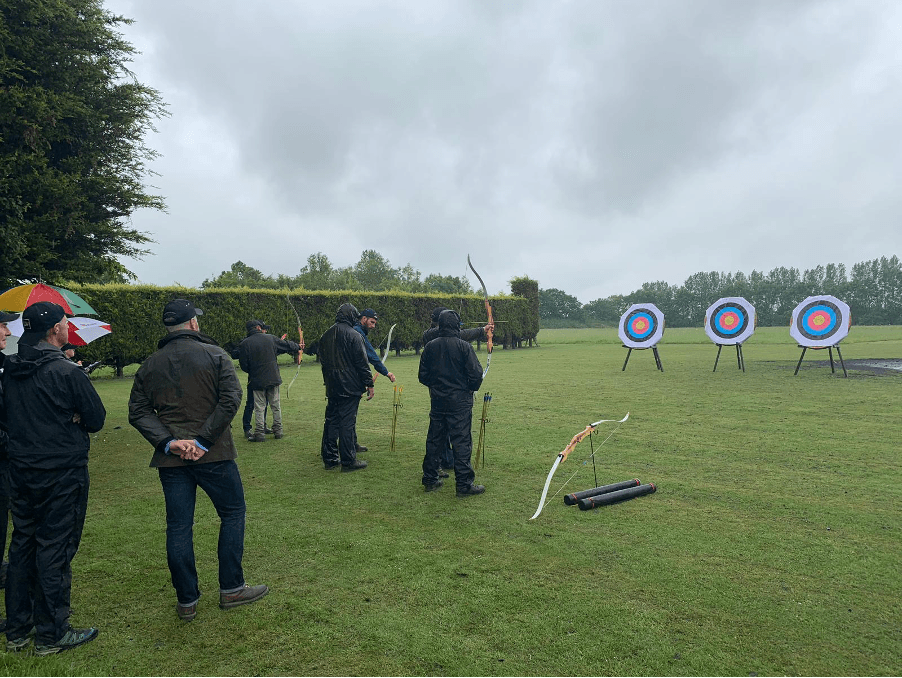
x=183, y=401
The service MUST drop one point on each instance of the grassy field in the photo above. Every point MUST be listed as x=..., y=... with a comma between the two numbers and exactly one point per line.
x=772, y=545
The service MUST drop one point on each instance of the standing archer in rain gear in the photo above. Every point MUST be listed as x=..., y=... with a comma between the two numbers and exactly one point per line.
x=346, y=375
x=451, y=370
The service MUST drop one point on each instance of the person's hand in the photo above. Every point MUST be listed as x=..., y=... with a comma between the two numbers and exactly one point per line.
x=489, y=328
x=186, y=449
x=76, y=418
x=370, y=392
x=392, y=377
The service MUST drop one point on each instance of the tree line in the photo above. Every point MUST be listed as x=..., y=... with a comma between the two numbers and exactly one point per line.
x=873, y=290
x=372, y=273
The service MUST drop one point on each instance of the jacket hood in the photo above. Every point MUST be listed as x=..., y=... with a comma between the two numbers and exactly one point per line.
x=347, y=314
x=29, y=359
x=189, y=334
x=449, y=324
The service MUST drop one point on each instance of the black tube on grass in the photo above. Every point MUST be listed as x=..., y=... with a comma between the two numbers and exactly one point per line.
x=573, y=499
x=614, y=497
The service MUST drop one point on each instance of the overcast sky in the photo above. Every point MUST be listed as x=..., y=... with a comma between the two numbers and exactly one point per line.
x=591, y=145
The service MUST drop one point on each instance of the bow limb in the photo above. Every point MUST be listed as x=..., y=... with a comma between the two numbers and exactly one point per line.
x=562, y=456
x=490, y=332
x=388, y=343
x=300, y=344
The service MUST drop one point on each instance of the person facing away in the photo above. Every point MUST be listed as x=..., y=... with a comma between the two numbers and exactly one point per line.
x=4, y=465
x=346, y=375
x=182, y=401
x=446, y=458
x=451, y=370
x=50, y=408
x=258, y=356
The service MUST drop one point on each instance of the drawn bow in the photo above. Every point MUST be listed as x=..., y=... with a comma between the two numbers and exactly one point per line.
x=488, y=309
x=387, y=347
x=300, y=344
x=579, y=437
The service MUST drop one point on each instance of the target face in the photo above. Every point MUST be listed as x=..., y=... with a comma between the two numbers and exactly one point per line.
x=730, y=320
x=641, y=326
x=820, y=321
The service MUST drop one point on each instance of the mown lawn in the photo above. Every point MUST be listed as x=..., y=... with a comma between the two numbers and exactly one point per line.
x=772, y=545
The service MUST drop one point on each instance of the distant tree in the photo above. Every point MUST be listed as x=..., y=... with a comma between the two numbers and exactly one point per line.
x=72, y=155
x=555, y=304
x=607, y=310
x=241, y=275
x=318, y=274
x=446, y=284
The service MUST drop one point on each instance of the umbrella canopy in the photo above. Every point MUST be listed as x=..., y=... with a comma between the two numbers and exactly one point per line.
x=820, y=321
x=82, y=331
x=19, y=298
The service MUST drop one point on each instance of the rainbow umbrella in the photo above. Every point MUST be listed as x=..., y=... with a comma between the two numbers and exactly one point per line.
x=19, y=298
x=82, y=331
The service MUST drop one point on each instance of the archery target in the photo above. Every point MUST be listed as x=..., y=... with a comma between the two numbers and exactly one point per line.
x=641, y=326
x=730, y=320
x=820, y=321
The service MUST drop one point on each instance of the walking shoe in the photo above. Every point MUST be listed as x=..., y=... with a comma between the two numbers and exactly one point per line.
x=362, y=448
x=19, y=644
x=329, y=465
x=257, y=438
x=186, y=612
x=468, y=490
x=443, y=474
x=249, y=435
x=73, y=638
x=278, y=436
x=267, y=430
x=356, y=466
x=432, y=487
x=249, y=594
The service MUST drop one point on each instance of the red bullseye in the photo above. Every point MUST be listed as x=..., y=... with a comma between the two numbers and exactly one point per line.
x=640, y=325
x=729, y=320
x=817, y=321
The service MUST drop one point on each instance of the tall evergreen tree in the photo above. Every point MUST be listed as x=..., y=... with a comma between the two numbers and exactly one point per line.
x=72, y=155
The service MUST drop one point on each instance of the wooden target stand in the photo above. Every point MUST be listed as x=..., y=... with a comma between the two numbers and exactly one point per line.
x=740, y=360
x=821, y=348
x=654, y=350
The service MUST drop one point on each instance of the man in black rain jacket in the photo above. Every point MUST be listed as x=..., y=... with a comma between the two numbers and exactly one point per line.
x=346, y=374
x=451, y=370
x=50, y=407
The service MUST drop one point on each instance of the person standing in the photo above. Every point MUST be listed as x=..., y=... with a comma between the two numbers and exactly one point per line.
x=450, y=369
x=258, y=356
x=446, y=458
x=346, y=375
x=367, y=322
x=50, y=407
x=183, y=400
x=4, y=463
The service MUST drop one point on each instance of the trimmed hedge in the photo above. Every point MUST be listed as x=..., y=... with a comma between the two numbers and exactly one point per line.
x=135, y=315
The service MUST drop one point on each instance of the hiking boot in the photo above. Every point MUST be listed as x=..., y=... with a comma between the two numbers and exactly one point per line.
x=443, y=474
x=362, y=448
x=468, y=490
x=186, y=612
x=257, y=438
x=249, y=435
x=329, y=465
x=249, y=594
x=278, y=436
x=267, y=430
x=73, y=638
x=432, y=487
x=356, y=466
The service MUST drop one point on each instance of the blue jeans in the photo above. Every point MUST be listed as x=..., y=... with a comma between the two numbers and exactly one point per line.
x=222, y=483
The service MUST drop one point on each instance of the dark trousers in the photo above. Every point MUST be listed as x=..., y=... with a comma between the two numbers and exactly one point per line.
x=222, y=483
x=4, y=505
x=340, y=431
x=454, y=425
x=48, y=508
x=248, y=413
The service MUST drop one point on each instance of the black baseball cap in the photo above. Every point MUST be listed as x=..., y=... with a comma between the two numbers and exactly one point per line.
x=38, y=318
x=369, y=313
x=179, y=311
x=251, y=324
x=8, y=317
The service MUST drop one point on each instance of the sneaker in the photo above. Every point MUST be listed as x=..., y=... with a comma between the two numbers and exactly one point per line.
x=356, y=466
x=267, y=431
x=468, y=490
x=249, y=435
x=362, y=448
x=443, y=474
x=257, y=438
x=73, y=638
x=249, y=594
x=186, y=612
x=278, y=436
x=329, y=465
x=19, y=644
x=432, y=487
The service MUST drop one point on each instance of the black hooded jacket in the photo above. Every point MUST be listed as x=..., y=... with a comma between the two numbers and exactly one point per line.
x=43, y=396
x=342, y=354
x=258, y=356
x=449, y=366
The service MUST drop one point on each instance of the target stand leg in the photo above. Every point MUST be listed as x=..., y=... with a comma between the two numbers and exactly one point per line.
x=627, y=357
x=739, y=358
x=804, y=348
x=830, y=352
x=839, y=353
x=719, y=346
x=657, y=358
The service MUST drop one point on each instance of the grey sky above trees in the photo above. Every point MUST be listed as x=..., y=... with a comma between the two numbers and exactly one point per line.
x=591, y=145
